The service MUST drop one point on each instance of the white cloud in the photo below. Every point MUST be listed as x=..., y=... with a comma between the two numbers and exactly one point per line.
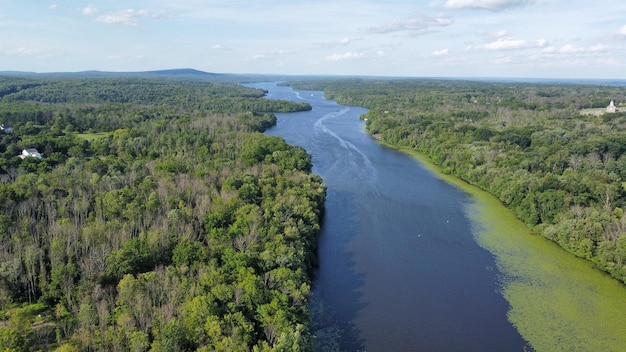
x=30, y=52
x=503, y=60
x=502, y=42
x=220, y=47
x=89, y=10
x=505, y=44
x=127, y=17
x=53, y=6
x=21, y=51
x=569, y=48
x=416, y=24
x=598, y=47
x=345, y=56
x=441, y=52
x=270, y=55
x=124, y=58
x=493, y=5
x=500, y=34
x=335, y=43
x=622, y=30
x=572, y=55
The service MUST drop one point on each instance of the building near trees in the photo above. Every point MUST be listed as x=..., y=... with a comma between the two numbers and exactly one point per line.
x=32, y=152
x=611, y=107
x=6, y=128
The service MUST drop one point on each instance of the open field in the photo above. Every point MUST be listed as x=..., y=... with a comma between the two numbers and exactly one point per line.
x=594, y=111
x=93, y=136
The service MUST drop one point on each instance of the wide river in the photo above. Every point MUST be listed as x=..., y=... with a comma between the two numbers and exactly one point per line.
x=399, y=266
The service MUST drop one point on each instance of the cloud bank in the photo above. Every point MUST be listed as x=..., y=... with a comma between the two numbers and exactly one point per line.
x=492, y=5
x=345, y=56
x=414, y=25
x=89, y=10
x=128, y=17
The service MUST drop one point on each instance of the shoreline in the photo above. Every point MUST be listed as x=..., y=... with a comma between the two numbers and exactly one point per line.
x=558, y=302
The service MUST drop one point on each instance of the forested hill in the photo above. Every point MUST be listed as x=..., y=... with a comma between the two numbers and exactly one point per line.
x=188, y=74
x=549, y=152
x=157, y=217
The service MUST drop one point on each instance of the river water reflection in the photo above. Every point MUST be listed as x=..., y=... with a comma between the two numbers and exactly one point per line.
x=399, y=268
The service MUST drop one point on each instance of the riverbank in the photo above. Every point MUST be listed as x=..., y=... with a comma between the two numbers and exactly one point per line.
x=399, y=268
x=558, y=302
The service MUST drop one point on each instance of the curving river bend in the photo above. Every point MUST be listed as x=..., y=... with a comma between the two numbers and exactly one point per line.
x=399, y=268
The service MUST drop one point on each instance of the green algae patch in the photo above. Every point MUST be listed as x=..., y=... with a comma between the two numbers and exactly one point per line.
x=558, y=302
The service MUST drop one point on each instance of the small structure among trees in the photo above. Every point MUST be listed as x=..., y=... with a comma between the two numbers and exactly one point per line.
x=6, y=128
x=32, y=152
x=611, y=108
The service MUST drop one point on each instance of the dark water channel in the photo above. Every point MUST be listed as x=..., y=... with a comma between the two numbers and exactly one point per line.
x=399, y=269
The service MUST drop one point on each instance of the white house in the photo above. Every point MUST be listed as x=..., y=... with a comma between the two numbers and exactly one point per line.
x=6, y=128
x=611, y=107
x=32, y=152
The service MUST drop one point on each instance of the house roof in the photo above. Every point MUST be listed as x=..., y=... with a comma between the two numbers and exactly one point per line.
x=30, y=152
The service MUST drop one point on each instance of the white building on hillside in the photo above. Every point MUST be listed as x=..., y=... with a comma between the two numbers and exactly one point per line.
x=32, y=152
x=6, y=128
x=611, y=107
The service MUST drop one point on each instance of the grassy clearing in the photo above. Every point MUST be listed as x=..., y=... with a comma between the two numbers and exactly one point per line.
x=558, y=302
x=593, y=111
x=93, y=136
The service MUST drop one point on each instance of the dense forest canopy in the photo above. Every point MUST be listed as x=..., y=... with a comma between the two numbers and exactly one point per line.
x=550, y=152
x=157, y=218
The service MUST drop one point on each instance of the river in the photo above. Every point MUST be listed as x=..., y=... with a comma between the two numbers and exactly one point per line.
x=399, y=266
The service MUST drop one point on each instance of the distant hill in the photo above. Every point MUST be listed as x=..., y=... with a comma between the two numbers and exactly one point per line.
x=174, y=74
x=197, y=75
x=179, y=73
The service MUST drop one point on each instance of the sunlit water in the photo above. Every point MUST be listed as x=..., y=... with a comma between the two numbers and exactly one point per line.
x=399, y=268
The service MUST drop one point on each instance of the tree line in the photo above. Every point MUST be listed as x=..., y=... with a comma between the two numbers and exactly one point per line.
x=560, y=169
x=159, y=218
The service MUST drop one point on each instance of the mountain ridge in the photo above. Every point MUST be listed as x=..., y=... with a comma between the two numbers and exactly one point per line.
x=176, y=72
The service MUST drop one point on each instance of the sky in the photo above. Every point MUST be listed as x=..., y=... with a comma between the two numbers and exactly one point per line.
x=406, y=38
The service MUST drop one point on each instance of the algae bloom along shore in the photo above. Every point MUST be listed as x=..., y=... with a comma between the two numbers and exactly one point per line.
x=558, y=302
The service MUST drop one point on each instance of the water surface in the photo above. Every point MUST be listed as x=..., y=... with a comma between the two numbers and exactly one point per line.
x=399, y=267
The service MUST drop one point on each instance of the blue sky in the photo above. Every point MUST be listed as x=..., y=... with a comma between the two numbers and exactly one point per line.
x=436, y=38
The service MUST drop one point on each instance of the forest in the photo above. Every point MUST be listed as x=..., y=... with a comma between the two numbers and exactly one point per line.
x=157, y=218
x=550, y=152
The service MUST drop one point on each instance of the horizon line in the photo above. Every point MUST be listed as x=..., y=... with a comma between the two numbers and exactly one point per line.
x=192, y=71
